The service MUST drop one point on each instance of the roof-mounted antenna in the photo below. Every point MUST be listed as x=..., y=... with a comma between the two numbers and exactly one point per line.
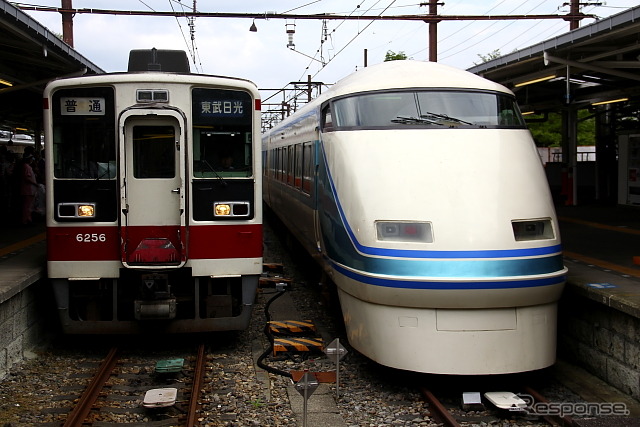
x=154, y=65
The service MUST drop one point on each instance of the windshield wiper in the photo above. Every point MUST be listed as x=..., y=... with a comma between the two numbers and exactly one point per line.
x=415, y=120
x=215, y=172
x=430, y=115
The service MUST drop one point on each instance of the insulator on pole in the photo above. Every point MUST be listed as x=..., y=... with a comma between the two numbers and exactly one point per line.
x=291, y=30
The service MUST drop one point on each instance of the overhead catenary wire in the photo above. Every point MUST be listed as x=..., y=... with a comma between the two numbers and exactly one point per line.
x=330, y=36
x=336, y=50
x=354, y=37
x=465, y=43
x=468, y=46
x=190, y=20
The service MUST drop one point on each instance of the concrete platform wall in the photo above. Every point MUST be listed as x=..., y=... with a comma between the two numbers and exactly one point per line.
x=600, y=337
x=22, y=324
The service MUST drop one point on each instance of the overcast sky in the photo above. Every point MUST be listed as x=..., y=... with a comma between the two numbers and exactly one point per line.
x=225, y=46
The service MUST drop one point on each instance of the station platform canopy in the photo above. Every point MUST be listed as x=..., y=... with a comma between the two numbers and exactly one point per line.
x=30, y=56
x=596, y=63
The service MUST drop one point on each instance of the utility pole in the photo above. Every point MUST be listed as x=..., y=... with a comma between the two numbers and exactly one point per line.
x=574, y=11
x=574, y=8
x=67, y=23
x=433, y=29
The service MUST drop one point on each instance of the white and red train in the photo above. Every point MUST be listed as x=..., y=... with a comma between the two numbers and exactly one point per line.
x=154, y=212
x=419, y=189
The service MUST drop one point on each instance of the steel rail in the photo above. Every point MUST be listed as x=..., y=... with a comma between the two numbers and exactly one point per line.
x=198, y=379
x=551, y=419
x=437, y=409
x=79, y=413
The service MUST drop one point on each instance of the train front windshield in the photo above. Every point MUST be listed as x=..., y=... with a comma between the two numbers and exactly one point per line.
x=432, y=108
x=222, y=134
x=84, y=142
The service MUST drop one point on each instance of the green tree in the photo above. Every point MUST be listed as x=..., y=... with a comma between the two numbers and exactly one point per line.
x=489, y=56
x=549, y=132
x=392, y=56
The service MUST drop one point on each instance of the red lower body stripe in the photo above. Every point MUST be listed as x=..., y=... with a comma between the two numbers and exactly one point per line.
x=103, y=243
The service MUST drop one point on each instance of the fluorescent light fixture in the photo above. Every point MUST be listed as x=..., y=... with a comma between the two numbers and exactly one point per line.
x=528, y=113
x=536, y=80
x=611, y=101
x=5, y=82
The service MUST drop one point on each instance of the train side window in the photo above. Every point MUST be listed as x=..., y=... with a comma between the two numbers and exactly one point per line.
x=298, y=166
x=290, y=163
x=280, y=164
x=327, y=119
x=307, y=169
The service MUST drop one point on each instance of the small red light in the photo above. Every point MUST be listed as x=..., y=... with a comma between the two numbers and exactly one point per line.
x=45, y=103
x=258, y=104
x=411, y=230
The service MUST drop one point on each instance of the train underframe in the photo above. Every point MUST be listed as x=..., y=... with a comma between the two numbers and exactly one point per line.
x=155, y=302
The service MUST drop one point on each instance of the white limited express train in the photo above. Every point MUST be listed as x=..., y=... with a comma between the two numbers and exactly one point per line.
x=419, y=189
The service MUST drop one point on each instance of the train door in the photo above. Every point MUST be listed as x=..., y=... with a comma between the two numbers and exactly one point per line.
x=153, y=215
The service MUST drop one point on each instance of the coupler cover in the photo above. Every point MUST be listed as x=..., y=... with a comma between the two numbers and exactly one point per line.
x=155, y=309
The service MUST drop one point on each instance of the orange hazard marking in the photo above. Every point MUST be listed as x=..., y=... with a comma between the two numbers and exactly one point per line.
x=291, y=326
x=22, y=244
x=604, y=264
x=620, y=229
x=297, y=344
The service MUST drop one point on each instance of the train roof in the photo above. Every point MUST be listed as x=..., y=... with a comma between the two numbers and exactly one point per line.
x=410, y=74
x=150, y=76
x=402, y=74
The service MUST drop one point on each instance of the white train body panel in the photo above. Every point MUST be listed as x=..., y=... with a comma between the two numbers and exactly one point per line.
x=471, y=287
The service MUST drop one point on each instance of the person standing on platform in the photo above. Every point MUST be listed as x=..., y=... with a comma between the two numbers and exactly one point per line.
x=28, y=188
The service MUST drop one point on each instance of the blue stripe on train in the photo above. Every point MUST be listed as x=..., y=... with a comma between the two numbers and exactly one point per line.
x=434, y=284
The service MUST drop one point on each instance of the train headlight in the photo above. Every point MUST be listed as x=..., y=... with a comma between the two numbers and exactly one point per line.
x=233, y=209
x=538, y=229
x=221, y=209
x=395, y=231
x=86, y=211
x=76, y=210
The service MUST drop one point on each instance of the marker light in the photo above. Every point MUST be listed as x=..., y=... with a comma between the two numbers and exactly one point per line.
x=419, y=232
x=539, y=229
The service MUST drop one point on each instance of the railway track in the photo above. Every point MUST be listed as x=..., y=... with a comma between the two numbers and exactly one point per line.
x=448, y=417
x=116, y=387
x=235, y=392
